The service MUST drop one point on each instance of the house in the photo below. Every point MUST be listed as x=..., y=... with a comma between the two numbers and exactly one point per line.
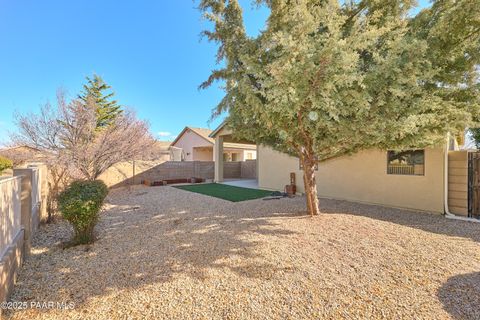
x=162, y=151
x=21, y=154
x=435, y=179
x=197, y=145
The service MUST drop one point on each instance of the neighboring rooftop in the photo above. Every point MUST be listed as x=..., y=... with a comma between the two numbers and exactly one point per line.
x=205, y=134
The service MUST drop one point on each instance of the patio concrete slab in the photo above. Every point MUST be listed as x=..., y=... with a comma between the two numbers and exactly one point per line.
x=244, y=183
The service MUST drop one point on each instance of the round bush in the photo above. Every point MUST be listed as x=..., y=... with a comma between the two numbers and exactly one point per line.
x=5, y=164
x=80, y=205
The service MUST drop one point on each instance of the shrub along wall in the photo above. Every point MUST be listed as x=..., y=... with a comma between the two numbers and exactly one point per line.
x=80, y=204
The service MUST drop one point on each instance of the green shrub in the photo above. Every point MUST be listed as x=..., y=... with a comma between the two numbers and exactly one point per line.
x=5, y=164
x=80, y=205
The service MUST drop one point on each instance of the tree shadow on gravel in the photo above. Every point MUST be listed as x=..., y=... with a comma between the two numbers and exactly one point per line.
x=155, y=240
x=460, y=296
x=429, y=222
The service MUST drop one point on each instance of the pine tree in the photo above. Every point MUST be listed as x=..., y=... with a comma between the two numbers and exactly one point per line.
x=96, y=93
x=329, y=78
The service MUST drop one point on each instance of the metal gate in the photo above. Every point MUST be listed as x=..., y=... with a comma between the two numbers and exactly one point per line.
x=474, y=184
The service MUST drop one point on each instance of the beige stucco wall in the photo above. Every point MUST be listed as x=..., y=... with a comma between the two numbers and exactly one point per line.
x=22, y=205
x=241, y=154
x=11, y=237
x=203, y=153
x=188, y=141
x=10, y=214
x=253, y=152
x=230, y=152
x=361, y=177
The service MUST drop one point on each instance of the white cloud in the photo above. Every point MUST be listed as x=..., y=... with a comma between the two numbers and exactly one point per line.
x=164, y=134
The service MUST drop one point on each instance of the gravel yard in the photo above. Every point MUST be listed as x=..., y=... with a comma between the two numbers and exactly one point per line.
x=165, y=253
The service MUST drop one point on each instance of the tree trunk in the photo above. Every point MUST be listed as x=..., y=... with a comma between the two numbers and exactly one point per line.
x=309, y=163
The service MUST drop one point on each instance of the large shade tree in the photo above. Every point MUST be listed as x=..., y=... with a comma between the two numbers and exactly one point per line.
x=327, y=79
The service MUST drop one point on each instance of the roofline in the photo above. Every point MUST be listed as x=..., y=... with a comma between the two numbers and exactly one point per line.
x=220, y=127
x=254, y=147
x=182, y=133
x=20, y=146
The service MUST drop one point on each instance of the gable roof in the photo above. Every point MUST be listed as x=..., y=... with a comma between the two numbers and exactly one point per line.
x=206, y=134
x=201, y=132
x=220, y=127
x=11, y=148
x=162, y=144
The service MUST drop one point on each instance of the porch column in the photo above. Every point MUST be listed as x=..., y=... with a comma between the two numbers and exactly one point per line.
x=218, y=155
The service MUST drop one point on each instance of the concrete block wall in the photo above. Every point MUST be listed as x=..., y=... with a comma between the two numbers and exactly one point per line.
x=248, y=169
x=232, y=169
x=179, y=170
x=122, y=174
x=204, y=169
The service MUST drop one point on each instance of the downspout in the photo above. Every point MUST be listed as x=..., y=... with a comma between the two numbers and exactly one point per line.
x=448, y=214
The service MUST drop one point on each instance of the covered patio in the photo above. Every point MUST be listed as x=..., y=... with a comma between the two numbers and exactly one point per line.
x=224, y=135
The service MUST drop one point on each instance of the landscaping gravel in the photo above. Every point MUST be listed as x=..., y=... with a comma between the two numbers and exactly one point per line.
x=165, y=253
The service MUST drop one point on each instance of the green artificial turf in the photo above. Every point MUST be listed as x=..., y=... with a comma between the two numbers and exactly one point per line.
x=226, y=192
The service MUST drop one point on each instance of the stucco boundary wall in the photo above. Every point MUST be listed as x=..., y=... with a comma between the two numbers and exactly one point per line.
x=22, y=204
x=131, y=173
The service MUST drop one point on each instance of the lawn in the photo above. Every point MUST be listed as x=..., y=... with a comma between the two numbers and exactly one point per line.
x=226, y=192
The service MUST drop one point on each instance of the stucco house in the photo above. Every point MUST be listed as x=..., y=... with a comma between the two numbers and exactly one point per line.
x=162, y=151
x=440, y=179
x=197, y=145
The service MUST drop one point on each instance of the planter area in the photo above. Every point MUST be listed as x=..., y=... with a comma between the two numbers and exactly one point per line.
x=171, y=181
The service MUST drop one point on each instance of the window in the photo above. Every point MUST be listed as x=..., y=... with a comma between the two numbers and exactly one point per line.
x=234, y=156
x=249, y=156
x=407, y=162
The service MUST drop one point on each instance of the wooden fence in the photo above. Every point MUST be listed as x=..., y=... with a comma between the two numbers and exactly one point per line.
x=458, y=182
x=401, y=169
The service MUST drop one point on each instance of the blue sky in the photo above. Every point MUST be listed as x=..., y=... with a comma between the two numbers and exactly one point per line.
x=149, y=52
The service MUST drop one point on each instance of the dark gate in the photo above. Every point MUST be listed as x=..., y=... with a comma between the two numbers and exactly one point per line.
x=474, y=184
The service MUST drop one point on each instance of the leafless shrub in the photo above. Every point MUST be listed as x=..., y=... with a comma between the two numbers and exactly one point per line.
x=74, y=147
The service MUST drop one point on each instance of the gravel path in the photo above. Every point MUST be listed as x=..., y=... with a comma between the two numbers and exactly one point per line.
x=165, y=253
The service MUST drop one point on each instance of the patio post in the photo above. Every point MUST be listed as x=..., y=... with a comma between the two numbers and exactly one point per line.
x=218, y=155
